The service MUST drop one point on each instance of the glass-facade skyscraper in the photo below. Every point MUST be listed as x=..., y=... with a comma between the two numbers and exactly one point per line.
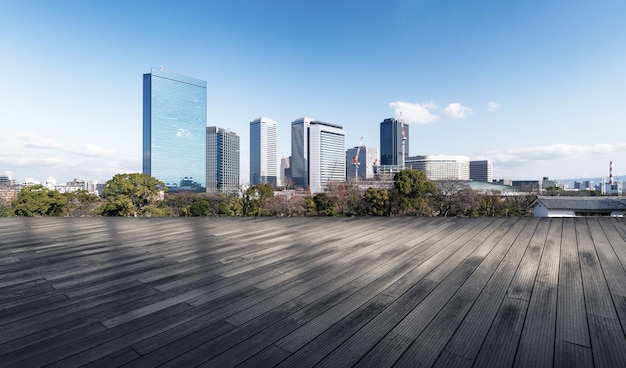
x=300, y=152
x=174, y=130
x=263, y=151
x=222, y=161
x=391, y=142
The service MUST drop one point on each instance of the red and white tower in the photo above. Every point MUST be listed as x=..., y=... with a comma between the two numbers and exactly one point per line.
x=611, y=173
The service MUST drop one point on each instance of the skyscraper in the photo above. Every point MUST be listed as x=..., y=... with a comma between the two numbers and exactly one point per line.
x=222, y=160
x=263, y=151
x=318, y=153
x=391, y=142
x=174, y=130
x=327, y=152
x=300, y=152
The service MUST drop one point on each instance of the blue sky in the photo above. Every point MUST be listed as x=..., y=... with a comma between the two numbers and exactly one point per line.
x=539, y=87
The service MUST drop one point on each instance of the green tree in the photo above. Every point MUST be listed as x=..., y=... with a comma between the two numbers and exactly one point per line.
x=143, y=191
x=326, y=205
x=81, y=203
x=376, y=202
x=255, y=200
x=411, y=193
x=230, y=205
x=37, y=200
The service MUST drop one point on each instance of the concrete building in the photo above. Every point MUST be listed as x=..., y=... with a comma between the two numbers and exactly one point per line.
x=561, y=206
x=327, y=152
x=318, y=152
x=481, y=170
x=441, y=167
x=222, y=160
x=263, y=152
x=367, y=159
x=174, y=130
x=391, y=142
x=285, y=170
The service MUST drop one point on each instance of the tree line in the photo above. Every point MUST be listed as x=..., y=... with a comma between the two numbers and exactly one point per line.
x=411, y=194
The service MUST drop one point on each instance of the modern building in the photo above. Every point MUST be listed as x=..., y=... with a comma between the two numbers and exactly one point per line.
x=481, y=170
x=285, y=168
x=318, y=153
x=327, y=152
x=222, y=160
x=563, y=206
x=300, y=152
x=367, y=159
x=441, y=167
x=263, y=151
x=391, y=142
x=174, y=130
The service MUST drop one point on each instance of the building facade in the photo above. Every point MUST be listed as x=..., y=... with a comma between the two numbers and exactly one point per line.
x=367, y=159
x=300, y=152
x=263, y=152
x=327, y=152
x=391, y=142
x=174, y=130
x=285, y=171
x=222, y=161
x=441, y=167
x=480, y=170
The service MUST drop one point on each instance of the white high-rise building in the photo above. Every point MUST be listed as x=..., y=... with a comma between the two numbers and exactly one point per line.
x=441, y=167
x=327, y=152
x=263, y=151
x=318, y=152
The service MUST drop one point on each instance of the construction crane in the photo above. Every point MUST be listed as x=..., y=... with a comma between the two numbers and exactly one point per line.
x=403, y=138
x=355, y=160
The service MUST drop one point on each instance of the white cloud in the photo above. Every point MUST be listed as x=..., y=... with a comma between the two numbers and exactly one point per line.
x=183, y=133
x=457, y=111
x=560, y=161
x=493, y=106
x=36, y=156
x=556, y=151
x=415, y=113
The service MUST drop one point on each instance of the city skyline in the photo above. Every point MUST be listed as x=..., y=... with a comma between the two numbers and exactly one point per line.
x=536, y=87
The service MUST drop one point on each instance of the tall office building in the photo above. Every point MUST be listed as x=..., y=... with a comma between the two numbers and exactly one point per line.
x=327, y=152
x=263, y=151
x=368, y=156
x=174, y=130
x=391, y=142
x=300, y=152
x=480, y=170
x=222, y=161
x=317, y=154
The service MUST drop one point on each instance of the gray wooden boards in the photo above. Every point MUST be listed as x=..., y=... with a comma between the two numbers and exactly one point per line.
x=304, y=292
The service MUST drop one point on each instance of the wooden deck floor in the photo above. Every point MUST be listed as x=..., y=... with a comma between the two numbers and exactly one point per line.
x=328, y=292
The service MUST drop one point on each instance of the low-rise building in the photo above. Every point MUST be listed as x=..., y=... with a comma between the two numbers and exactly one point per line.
x=561, y=206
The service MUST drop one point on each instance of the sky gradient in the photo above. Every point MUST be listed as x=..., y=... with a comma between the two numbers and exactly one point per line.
x=538, y=87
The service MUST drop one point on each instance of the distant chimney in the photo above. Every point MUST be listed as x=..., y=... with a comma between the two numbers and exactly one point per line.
x=611, y=173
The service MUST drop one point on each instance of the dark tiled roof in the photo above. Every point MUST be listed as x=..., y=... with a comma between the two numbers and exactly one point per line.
x=298, y=292
x=583, y=203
